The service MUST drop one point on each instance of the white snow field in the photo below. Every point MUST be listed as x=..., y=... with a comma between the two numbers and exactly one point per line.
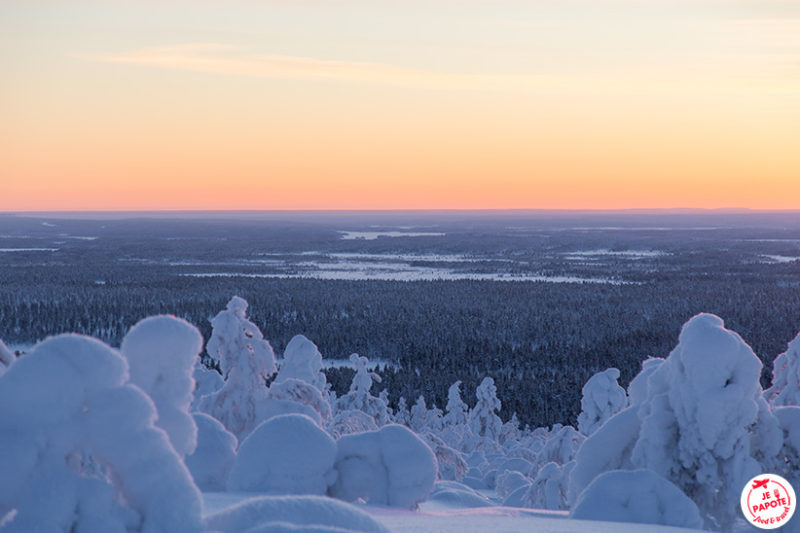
x=99, y=440
x=430, y=518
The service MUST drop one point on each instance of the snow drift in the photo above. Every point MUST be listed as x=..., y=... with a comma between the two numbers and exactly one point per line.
x=287, y=513
x=287, y=454
x=391, y=466
x=638, y=496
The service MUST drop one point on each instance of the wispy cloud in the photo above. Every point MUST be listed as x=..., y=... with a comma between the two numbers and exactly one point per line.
x=230, y=60
x=238, y=61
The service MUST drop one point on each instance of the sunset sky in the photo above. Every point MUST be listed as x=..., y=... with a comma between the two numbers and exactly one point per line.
x=376, y=104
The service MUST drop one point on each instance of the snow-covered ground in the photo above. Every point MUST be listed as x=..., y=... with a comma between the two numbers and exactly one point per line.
x=434, y=517
x=502, y=519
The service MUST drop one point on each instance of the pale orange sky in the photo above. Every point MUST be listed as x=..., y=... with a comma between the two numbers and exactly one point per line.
x=586, y=104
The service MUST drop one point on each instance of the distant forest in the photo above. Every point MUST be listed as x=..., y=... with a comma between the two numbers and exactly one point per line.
x=539, y=341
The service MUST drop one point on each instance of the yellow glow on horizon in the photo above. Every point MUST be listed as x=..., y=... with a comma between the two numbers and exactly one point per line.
x=657, y=105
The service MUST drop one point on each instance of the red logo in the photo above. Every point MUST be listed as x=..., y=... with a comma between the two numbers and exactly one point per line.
x=768, y=501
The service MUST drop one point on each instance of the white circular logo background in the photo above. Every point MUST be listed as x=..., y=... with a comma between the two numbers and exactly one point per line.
x=768, y=501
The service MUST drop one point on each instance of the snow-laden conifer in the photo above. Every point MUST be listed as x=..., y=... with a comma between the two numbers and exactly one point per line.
x=785, y=388
x=80, y=449
x=602, y=399
x=161, y=353
x=247, y=362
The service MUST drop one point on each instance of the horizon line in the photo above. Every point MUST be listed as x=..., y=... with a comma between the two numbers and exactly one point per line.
x=532, y=210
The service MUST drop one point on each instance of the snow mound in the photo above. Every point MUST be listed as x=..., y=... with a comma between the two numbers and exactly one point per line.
x=212, y=460
x=309, y=399
x=639, y=496
x=161, y=353
x=391, y=466
x=284, y=527
x=602, y=399
x=287, y=454
x=304, y=513
x=80, y=448
x=457, y=495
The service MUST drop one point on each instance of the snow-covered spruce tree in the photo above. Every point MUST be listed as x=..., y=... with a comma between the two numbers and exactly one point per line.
x=697, y=418
x=456, y=408
x=402, y=416
x=80, y=450
x=451, y=464
x=435, y=420
x=428, y=424
x=247, y=362
x=6, y=357
x=785, y=388
x=419, y=415
x=483, y=419
x=549, y=487
x=552, y=467
x=455, y=431
x=383, y=396
x=602, y=399
x=560, y=448
x=234, y=339
x=359, y=398
x=510, y=432
x=161, y=353
x=701, y=402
